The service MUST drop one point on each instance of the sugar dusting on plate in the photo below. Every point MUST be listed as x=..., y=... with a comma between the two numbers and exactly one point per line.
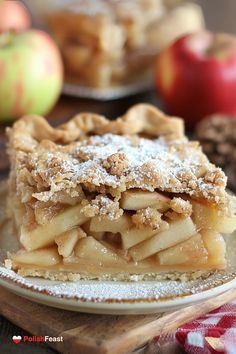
x=105, y=291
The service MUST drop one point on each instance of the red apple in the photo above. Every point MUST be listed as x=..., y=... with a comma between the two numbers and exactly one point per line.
x=196, y=76
x=13, y=15
x=31, y=73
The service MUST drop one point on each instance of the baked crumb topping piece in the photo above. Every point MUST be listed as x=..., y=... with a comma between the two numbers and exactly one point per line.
x=181, y=206
x=103, y=206
x=116, y=164
x=132, y=195
x=149, y=217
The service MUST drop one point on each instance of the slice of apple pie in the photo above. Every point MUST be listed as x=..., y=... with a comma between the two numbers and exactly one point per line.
x=95, y=198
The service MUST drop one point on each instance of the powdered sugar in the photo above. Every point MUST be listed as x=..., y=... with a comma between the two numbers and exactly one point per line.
x=108, y=144
x=173, y=167
x=112, y=164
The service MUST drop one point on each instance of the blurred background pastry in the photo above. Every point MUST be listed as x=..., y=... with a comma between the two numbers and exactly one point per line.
x=106, y=43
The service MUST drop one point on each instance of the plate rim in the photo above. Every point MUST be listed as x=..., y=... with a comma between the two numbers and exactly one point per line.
x=12, y=278
x=137, y=306
x=119, y=307
x=112, y=93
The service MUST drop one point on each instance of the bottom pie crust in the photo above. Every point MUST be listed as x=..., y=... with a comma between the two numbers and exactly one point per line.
x=71, y=276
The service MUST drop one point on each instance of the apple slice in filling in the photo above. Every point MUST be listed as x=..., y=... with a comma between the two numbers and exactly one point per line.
x=99, y=224
x=43, y=257
x=93, y=251
x=67, y=241
x=208, y=217
x=133, y=236
x=216, y=247
x=192, y=251
x=178, y=231
x=138, y=199
x=44, y=235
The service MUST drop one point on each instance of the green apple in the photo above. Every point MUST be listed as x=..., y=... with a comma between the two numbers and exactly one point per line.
x=31, y=73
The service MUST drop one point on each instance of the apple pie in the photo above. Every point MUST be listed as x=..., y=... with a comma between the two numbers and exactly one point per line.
x=109, y=42
x=95, y=198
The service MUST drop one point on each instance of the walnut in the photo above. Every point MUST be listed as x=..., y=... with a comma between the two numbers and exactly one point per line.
x=116, y=164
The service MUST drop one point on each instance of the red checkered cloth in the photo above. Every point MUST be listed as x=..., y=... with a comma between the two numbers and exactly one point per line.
x=212, y=333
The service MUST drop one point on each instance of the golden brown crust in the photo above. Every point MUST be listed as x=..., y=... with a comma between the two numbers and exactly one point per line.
x=109, y=157
x=140, y=119
x=145, y=119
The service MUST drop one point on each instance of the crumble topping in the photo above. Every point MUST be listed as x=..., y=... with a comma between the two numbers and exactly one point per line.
x=149, y=217
x=103, y=206
x=93, y=154
x=115, y=164
x=181, y=206
x=153, y=164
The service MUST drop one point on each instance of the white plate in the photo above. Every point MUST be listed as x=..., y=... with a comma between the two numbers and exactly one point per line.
x=119, y=297
x=107, y=297
x=111, y=93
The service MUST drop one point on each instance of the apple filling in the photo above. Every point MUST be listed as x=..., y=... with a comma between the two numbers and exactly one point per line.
x=144, y=232
x=132, y=196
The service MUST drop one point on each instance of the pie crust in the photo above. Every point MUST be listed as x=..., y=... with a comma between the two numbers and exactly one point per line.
x=99, y=198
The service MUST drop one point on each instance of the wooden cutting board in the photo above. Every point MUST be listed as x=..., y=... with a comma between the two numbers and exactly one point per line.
x=99, y=334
